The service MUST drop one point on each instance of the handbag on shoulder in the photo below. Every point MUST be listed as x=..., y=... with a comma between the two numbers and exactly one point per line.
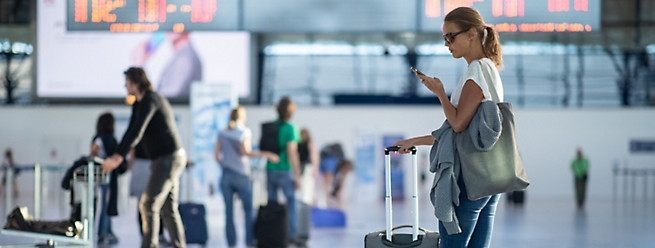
x=498, y=170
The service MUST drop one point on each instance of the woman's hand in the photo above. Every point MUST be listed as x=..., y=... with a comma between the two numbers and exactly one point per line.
x=274, y=158
x=404, y=145
x=432, y=83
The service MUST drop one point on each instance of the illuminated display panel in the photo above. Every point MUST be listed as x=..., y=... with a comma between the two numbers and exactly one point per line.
x=326, y=16
x=152, y=15
x=519, y=15
x=90, y=64
x=330, y=15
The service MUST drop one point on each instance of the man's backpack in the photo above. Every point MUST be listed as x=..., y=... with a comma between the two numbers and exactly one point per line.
x=270, y=141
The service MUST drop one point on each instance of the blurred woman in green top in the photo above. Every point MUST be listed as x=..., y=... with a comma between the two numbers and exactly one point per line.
x=580, y=167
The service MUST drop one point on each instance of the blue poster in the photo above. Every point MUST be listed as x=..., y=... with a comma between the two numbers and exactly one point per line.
x=365, y=156
x=211, y=105
x=397, y=172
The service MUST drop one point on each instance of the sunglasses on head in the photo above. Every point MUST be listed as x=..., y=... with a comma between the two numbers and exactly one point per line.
x=450, y=37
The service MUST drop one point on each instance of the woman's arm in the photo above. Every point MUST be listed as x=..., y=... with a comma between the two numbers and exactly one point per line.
x=405, y=144
x=95, y=149
x=217, y=152
x=426, y=140
x=460, y=117
x=313, y=157
x=246, y=149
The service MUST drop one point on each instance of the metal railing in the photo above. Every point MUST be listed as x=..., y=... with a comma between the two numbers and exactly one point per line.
x=630, y=176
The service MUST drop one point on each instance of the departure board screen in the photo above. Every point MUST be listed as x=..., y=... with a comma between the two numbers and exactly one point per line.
x=330, y=16
x=152, y=15
x=519, y=15
x=326, y=16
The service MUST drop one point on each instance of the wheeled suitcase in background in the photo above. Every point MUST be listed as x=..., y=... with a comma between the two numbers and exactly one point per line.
x=387, y=238
x=304, y=222
x=272, y=226
x=195, y=223
x=518, y=197
x=193, y=217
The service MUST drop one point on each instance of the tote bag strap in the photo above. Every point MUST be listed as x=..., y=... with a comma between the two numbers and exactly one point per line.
x=489, y=81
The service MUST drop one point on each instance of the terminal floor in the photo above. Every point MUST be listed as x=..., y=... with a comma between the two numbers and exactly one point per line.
x=539, y=223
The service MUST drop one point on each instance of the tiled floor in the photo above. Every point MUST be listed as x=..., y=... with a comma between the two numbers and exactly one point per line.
x=539, y=223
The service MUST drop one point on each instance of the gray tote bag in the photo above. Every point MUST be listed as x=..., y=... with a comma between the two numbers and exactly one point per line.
x=499, y=169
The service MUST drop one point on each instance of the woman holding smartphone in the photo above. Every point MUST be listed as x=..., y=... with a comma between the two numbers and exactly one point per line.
x=467, y=36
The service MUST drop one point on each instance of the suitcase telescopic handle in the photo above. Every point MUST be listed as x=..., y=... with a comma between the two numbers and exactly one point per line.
x=388, y=199
x=397, y=148
x=383, y=232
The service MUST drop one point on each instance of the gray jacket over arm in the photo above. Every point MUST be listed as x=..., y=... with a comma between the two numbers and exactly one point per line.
x=444, y=193
x=485, y=129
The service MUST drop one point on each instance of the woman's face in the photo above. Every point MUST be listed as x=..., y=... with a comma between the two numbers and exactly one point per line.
x=242, y=115
x=457, y=40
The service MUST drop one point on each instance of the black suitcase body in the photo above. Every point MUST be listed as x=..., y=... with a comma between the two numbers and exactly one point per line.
x=195, y=223
x=272, y=226
x=518, y=197
x=379, y=239
x=387, y=238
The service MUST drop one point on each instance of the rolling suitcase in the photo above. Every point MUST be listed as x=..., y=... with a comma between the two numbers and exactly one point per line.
x=195, y=224
x=387, y=238
x=193, y=217
x=304, y=222
x=518, y=197
x=272, y=226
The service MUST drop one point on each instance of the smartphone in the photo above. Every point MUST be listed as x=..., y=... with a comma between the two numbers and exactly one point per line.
x=416, y=71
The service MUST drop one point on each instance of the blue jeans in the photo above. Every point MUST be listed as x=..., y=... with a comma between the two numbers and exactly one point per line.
x=236, y=183
x=476, y=218
x=283, y=180
x=104, y=224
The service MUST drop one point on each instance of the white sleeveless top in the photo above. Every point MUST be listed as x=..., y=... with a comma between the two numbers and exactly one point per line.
x=477, y=71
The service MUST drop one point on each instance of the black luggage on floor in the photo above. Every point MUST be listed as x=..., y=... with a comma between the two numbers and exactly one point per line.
x=272, y=226
x=387, y=238
x=195, y=224
x=518, y=197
